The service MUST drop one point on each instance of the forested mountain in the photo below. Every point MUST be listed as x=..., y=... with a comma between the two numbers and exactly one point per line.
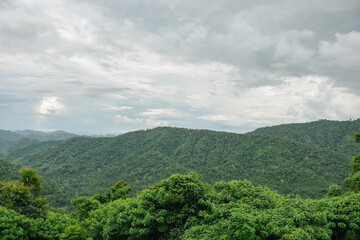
x=90, y=165
x=334, y=135
x=26, y=146
x=181, y=206
x=7, y=138
x=20, y=143
x=8, y=171
x=46, y=136
x=10, y=136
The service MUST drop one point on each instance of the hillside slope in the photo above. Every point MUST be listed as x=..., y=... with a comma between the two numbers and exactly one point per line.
x=26, y=146
x=91, y=165
x=334, y=135
x=46, y=136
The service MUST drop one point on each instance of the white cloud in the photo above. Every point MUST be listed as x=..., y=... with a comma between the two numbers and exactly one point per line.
x=156, y=123
x=294, y=100
x=218, y=117
x=163, y=113
x=51, y=106
x=127, y=119
x=116, y=108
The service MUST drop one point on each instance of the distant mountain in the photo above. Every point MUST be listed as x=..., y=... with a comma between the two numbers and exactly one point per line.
x=9, y=136
x=91, y=165
x=45, y=136
x=335, y=135
x=26, y=146
x=20, y=143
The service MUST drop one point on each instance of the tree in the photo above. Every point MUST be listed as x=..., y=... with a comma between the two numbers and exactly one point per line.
x=23, y=195
x=353, y=182
x=31, y=179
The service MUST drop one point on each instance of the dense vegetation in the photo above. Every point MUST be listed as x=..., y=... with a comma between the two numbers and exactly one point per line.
x=57, y=195
x=46, y=136
x=334, y=135
x=182, y=207
x=21, y=143
x=8, y=171
x=91, y=165
x=26, y=146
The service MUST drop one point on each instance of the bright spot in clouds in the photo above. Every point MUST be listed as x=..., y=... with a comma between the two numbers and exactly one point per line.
x=51, y=106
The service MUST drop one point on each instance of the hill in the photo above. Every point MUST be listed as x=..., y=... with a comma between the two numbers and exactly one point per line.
x=8, y=171
x=7, y=138
x=26, y=146
x=20, y=143
x=334, y=135
x=91, y=165
x=46, y=136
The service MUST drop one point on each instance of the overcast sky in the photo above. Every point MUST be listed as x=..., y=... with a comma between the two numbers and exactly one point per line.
x=105, y=66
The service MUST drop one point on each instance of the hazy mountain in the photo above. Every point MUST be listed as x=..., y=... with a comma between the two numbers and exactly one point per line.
x=45, y=136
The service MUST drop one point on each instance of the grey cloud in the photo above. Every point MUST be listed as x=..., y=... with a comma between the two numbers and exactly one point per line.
x=199, y=57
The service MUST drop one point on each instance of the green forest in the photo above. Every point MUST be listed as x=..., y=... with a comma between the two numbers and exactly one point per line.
x=173, y=183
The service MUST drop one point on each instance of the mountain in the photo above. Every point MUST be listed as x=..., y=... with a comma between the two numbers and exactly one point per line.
x=91, y=165
x=7, y=138
x=45, y=136
x=8, y=171
x=19, y=143
x=334, y=135
x=26, y=146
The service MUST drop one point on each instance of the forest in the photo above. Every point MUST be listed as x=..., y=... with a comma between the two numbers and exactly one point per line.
x=187, y=189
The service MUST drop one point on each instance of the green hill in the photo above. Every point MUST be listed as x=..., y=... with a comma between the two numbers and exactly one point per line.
x=46, y=136
x=91, y=165
x=26, y=146
x=334, y=135
x=21, y=143
x=8, y=171
x=6, y=139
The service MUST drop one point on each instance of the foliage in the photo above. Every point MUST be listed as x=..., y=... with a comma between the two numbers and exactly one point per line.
x=58, y=196
x=334, y=135
x=73, y=232
x=30, y=179
x=353, y=182
x=23, y=196
x=27, y=146
x=183, y=207
x=141, y=158
x=8, y=171
x=15, y=226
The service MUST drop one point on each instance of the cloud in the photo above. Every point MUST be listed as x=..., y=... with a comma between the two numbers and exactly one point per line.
x=221, y=64
x=116, y=108
x=218, y=117
x=344, y=51
x=163, y=113
x=51, y=106
x=294, y=100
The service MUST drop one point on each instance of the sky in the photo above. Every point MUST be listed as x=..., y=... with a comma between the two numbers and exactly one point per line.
x=104, y=66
